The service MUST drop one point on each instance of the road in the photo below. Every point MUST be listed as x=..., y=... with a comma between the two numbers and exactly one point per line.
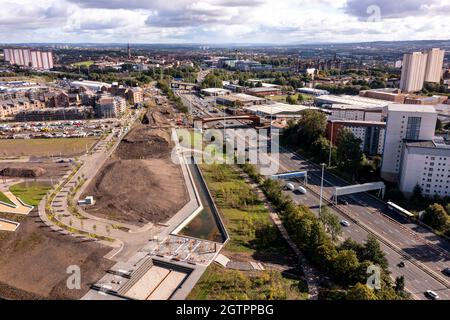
x=426, y=254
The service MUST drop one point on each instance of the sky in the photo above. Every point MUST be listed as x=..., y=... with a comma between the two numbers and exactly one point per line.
x=223, y=21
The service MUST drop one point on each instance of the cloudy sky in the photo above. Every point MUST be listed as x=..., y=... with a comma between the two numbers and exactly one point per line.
x=223, y=21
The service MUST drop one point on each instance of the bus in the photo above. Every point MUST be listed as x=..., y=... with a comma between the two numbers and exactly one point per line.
x=397, y=209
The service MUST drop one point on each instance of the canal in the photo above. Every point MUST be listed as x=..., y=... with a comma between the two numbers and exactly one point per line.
x=205, y=224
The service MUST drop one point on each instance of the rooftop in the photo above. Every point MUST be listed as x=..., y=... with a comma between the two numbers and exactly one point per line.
x=352, y=100
x=411, y=108
x=279, y=108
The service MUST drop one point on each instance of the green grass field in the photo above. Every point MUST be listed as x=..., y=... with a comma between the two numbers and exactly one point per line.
x=5, y=199
x=251, y=234
x=83, y=64
x=67, y=147
x=282, y=98
x=30, y=193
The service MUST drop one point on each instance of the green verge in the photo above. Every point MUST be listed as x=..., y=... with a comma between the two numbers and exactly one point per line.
x=252, y=237
x=30, y=193
x=5, y=199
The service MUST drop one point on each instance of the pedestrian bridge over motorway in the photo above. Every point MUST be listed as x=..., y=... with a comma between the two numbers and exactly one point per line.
x=255, y=119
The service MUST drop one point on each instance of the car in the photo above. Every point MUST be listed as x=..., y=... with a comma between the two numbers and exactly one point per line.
x=345, y=223
x=301, y=190
x=344, y=202
x=432, y=295
x=290, y=187
x=446, y=271
x=401, y=264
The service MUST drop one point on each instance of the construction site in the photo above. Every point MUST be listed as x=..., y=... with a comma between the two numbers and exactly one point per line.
x=140, y=184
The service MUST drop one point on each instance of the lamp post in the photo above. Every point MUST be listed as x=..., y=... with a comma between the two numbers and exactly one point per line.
x=331, y=144
x=321, y=189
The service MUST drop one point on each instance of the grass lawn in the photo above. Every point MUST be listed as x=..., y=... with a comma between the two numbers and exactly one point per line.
x=83, y=64
x=67, y=147
x=30, y=192
x=282, y=98
x=252, y=238
x=5, y=199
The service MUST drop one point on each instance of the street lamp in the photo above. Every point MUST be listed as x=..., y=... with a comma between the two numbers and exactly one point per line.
x=331, y=144
x=321, y=189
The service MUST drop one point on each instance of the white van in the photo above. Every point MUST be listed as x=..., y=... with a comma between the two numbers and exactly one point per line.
x=301, y=190
x=290, y=187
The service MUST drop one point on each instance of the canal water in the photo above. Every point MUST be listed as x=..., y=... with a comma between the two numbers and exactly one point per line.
x=204, y=225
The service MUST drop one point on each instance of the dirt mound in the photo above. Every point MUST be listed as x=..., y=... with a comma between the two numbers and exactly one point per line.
x=143, y=142
x=138, y=191
x=158, y=116
x=22, y=172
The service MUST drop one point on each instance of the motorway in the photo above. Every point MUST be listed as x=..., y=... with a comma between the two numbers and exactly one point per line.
x=425, y=254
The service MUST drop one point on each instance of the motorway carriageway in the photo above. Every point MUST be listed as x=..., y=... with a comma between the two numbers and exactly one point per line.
x=399, y=240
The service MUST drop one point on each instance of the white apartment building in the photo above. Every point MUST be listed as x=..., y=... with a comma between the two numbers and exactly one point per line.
x=435, y=63
x=413, y=71
x=42, y=60
x=355, y=113
x=405, y=122
x=426, y=163
x=420, y=67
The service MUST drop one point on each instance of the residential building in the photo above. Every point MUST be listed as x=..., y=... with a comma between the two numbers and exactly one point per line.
x=371, y=133
x=110, y=107
x=357, y=113
x=405, y=122
x=36, y=59
x=427, y=164
x=435, y=64
x=420, y=67
x=413, y=71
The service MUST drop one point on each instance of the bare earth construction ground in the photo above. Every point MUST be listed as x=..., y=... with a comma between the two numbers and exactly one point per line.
x=140, y=183
x=34, y=261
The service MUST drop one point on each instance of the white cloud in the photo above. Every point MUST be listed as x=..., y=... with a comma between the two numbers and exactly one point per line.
x=221, y=21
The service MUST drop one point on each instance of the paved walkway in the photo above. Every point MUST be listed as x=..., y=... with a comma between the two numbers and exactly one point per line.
x=312, y=276
x=18, y=207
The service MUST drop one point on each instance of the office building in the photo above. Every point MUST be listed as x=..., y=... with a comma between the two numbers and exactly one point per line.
x=405, y=123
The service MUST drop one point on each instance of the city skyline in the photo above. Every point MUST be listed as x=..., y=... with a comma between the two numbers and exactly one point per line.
x=222, y=21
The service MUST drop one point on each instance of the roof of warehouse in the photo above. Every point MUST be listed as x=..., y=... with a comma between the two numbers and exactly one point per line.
x=277, y=108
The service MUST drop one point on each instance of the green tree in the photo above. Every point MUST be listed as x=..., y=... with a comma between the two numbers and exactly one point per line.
x=373, y=252
x=349, y=154
x=400, y=284
x=436, y=217
x=360, y=292
x=346, y=266
x=417, y=195
x=312, y=125
x=321, y=149
x=331, y=223
x=291, y=100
